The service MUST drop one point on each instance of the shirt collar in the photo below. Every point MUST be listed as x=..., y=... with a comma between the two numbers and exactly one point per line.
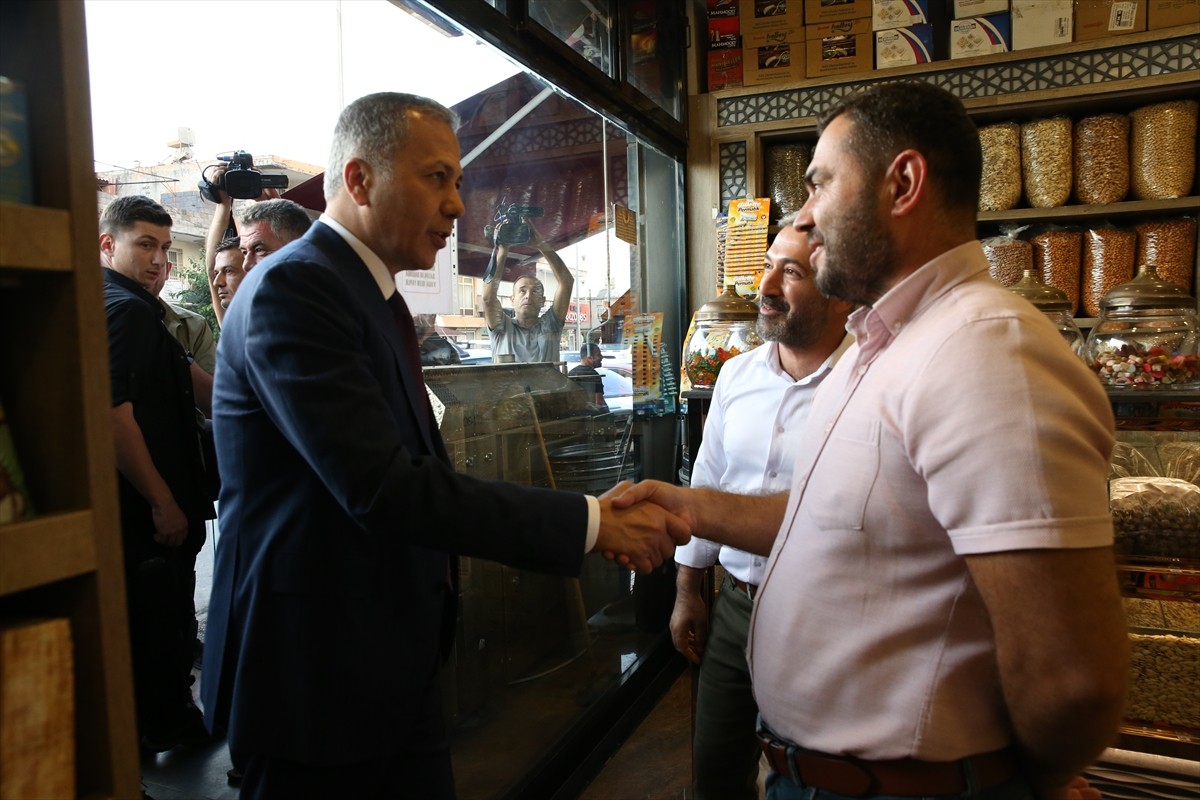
x=771, y=357
x=874, y=326
x=114, y=277
x=383, y=277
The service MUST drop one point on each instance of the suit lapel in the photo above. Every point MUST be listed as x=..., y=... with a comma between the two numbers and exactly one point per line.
x=358, y=278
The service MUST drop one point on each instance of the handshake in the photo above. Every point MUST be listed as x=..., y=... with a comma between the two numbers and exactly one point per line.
x=640, y=525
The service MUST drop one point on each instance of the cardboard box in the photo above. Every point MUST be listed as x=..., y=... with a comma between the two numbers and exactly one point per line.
x=839, y=48
x=980, y=36
x=1038, y=23
x=780, y=36
x=722, y=8
x=1169, y=13
x=818, y=12
x=1096, y=19
x=888, y=14
x=764, y=16
x=776, y=63
x=724, y=69
x=724, y=33
x=961, y=9
x=904, y=47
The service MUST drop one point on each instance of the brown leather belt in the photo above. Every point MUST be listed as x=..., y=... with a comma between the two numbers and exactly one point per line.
x=902, y=777
x=748, y=589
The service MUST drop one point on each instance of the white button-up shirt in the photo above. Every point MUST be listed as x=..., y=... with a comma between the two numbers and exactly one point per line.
x=741, y=453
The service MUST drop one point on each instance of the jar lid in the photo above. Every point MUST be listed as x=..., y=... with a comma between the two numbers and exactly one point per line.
x=1148, y=290
x=1042, y=295
x=729, y=306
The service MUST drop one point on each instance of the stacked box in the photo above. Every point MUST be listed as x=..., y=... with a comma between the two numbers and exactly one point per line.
x=888, y=14
x=1169, y=13
x=979, y=36
x=819, y=12
x=1096, y=19
x=963, y=9
x=1038, y=23
x=776, y=18
x=839, y=48
x=773, y=63
x=904, y=47
x=724, y=45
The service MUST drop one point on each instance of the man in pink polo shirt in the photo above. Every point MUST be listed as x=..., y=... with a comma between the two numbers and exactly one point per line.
x=940, y=614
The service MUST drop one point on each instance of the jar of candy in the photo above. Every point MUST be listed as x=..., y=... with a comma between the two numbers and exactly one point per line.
x=722, y=328
x=1147, y=336
x=1055, y=304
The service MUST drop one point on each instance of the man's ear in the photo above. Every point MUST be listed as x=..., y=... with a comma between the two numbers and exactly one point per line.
x=906, y=181
x=107, y=244
x=359, y=179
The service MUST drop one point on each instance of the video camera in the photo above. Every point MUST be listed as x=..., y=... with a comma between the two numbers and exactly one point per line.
x=510, y=226
x=240, y=180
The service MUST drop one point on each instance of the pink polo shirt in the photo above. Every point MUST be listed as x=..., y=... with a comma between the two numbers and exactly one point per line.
x=959, y=423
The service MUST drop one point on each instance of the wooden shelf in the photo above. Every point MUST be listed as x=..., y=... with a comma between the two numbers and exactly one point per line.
x=1128, y=208
x=46, y=549
x=32, y=237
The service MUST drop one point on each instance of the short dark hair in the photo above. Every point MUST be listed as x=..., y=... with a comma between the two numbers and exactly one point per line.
x=890, y=117
x=287, y=218
x=230, y=243
x=122, y=213
x=589, y=350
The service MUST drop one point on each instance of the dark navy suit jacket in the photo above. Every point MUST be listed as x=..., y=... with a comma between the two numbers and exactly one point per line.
x=331, y=610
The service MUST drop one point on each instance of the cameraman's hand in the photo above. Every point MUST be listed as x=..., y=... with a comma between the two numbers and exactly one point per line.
x=268, y=194
x=216, y=176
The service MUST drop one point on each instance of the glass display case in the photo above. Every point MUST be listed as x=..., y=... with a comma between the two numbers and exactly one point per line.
x=538, y=658
x=1156, y=514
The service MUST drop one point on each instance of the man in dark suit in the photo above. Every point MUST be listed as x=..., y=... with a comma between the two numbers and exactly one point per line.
x=333, y=602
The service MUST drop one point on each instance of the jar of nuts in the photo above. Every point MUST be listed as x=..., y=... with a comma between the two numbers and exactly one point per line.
x=1147, y=336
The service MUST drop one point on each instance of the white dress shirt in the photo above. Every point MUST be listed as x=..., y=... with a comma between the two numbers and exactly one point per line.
x=740, y=453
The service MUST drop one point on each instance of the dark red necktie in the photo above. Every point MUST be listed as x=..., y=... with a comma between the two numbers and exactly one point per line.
x=408, y=333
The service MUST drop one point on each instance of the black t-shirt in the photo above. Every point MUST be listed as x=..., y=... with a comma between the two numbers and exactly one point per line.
x=588, y=379
x=148, y=368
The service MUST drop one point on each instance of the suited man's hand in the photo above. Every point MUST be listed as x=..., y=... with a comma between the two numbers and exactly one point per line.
x=639, y=537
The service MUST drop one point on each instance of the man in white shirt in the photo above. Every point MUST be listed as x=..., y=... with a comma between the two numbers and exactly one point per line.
x=940, y=615
x=805, y=335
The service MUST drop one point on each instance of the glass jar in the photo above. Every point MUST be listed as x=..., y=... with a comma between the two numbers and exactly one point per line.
x=722, y=328
x=1147, y=335
x=1055, y=304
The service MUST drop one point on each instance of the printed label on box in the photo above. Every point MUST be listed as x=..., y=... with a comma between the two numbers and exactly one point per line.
x=1122, y=16
x=904, y=47
x=980, y=36
x=722, y=8
x=887, y=14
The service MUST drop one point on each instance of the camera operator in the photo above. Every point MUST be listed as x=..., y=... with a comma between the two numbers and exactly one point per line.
x=263, y=228
x=528, y=335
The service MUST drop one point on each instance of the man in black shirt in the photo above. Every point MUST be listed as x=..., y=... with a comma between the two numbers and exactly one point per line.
x=585, y=375
x=164, y=502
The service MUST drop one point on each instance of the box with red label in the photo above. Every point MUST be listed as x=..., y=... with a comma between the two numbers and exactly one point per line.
x=722, y=8
x=838, y=48
x=774, y=63
x=724, y=69
x=764, y=16
x=724, y=33
x=1169, y=13
x=822, y=11
x=1096, y=19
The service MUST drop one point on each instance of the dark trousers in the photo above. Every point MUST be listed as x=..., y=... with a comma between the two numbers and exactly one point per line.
x=162, y=629
x=418, y=770
x=725, y=751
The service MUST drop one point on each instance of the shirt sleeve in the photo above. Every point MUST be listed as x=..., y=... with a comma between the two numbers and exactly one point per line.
x=131, y=335
x=708, y=465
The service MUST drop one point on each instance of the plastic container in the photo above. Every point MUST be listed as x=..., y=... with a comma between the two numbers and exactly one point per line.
x=1147, y=336
x=723, y=328
x=1055, y=304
